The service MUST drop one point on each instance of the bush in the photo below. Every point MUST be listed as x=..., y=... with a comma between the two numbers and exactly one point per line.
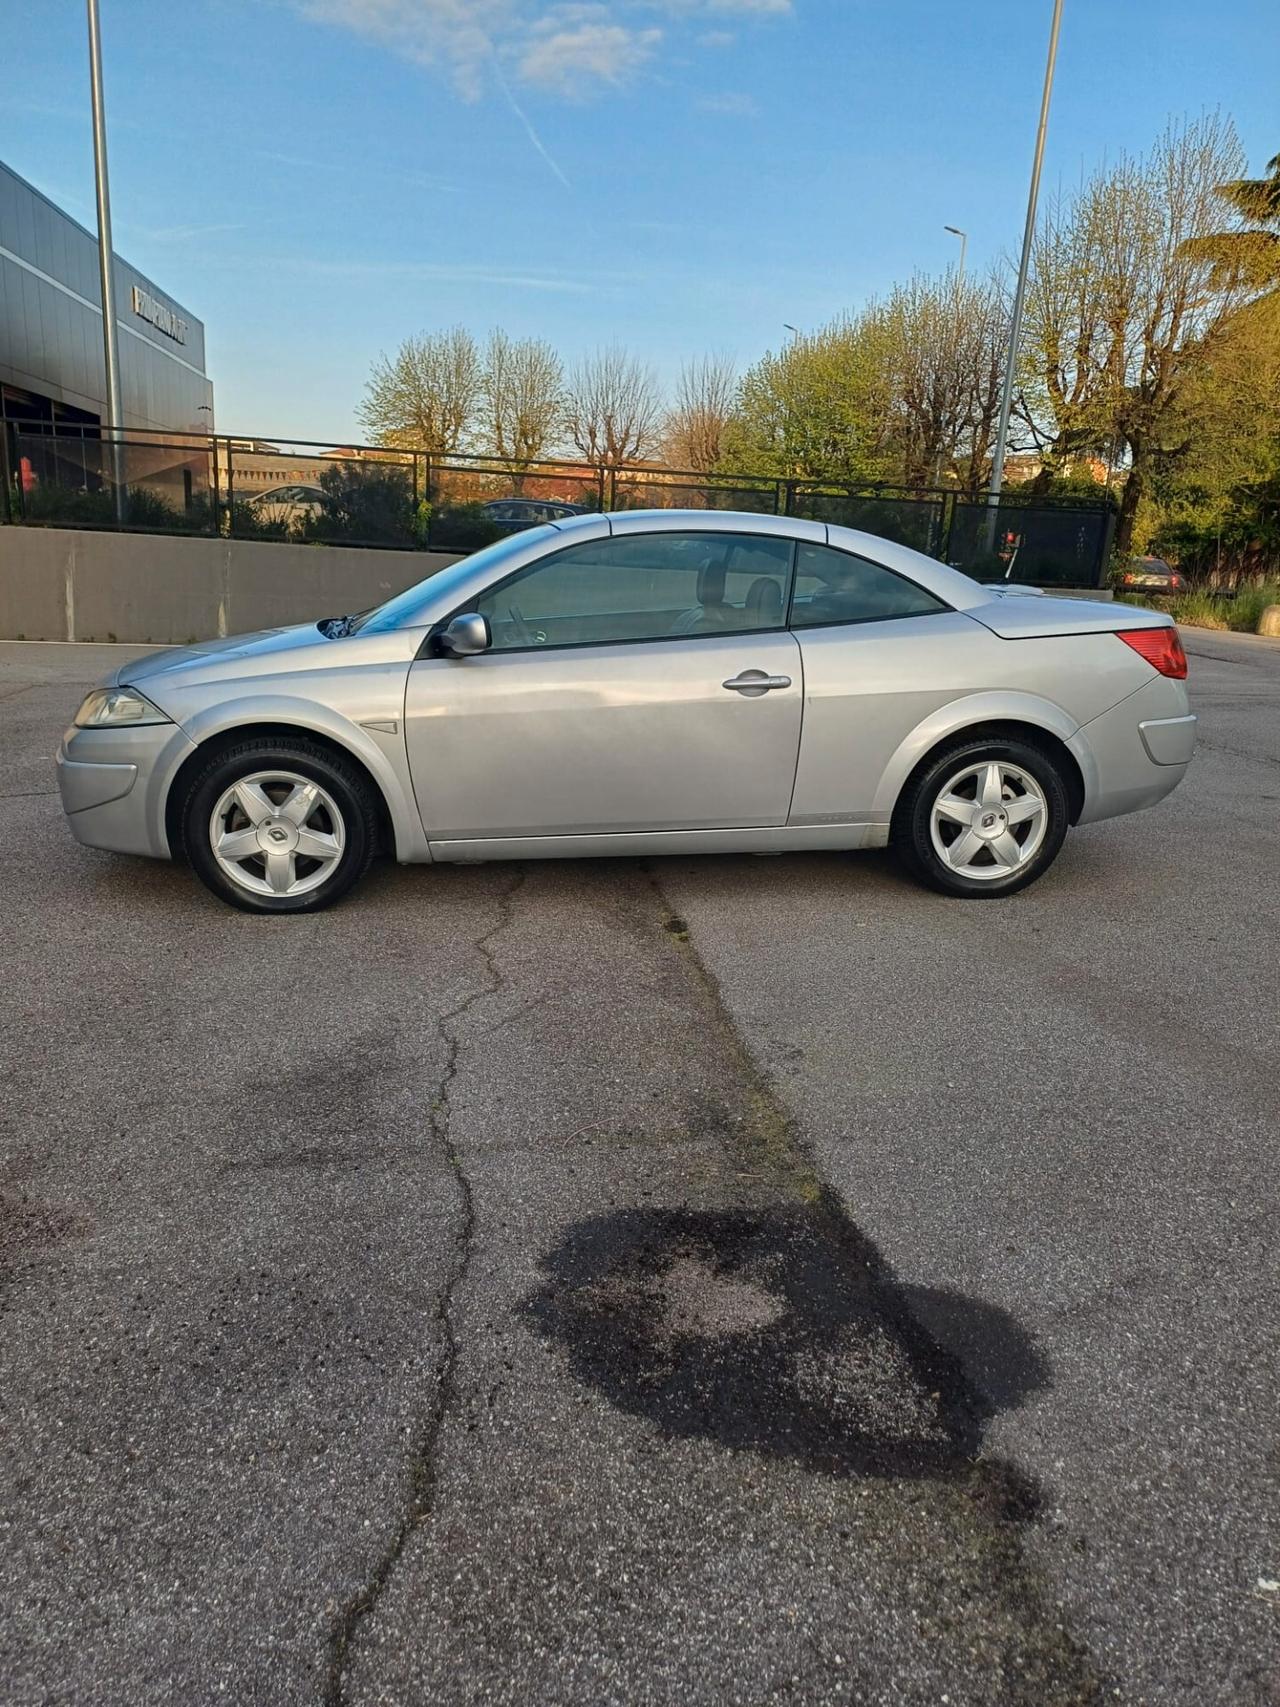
x=147, y=510
x=249, y=521
x=1203, y=609
x=462, y=527
x=77, y=508
x=366, y=503
x=144, y=510
x=1199, y=609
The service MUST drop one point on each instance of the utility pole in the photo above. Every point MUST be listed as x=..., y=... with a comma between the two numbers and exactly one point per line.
x=1024, y=265
x=113, y=417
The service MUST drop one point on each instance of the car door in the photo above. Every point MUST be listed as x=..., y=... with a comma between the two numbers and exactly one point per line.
x=632, y=684
x=879, y=654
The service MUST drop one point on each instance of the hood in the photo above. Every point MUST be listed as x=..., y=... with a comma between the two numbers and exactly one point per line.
x=1023, y=616
x=239, y=648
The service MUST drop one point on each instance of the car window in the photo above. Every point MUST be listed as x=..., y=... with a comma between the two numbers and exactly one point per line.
x=642, y=587
x=835, y=586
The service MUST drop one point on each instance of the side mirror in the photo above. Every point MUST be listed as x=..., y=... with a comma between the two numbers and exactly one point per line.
x=466, y=635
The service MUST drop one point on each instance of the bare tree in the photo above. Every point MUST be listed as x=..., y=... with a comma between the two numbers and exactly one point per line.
x=944, y=341
x=522, y=400
x=693, y=433
x=425, y=397
x=1126, y=304
x=613, y=409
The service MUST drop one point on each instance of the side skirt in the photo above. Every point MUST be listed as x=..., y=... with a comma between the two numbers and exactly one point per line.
x=784, y=838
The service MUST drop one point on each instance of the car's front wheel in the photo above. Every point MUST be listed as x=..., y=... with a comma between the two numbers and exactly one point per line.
x=983, y=818
x=279, y=826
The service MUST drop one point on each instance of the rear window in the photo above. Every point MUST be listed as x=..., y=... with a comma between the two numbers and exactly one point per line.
x=835, y=586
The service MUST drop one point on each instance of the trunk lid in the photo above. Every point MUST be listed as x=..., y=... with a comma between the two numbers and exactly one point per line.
x=1032, y=616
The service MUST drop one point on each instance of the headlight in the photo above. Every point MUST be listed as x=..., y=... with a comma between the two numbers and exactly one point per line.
x=114, y=708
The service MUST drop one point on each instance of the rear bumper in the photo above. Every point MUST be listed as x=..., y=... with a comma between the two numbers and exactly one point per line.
x=1135, y=754
x=1169, y=740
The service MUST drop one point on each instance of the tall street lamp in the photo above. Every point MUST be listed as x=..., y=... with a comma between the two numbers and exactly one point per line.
x=113, y=411
x=1015, y=324
x=964, y=244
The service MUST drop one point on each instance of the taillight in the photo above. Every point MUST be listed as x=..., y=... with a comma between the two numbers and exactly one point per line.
x=1161, y=647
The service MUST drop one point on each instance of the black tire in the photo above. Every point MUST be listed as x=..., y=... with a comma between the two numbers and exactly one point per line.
x=342, y=782
x=912, y=831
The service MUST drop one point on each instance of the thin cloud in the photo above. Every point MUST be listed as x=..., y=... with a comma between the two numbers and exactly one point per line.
x=442, y=272
x=569, y=48
x=359, y=173
x=729, y=105
x=175, y=233
x=565, y=55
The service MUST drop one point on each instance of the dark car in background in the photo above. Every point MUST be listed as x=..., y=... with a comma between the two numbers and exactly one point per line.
x=510, y=515
x=1149, y=575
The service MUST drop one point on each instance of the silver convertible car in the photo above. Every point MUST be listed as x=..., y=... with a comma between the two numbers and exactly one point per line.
x=660, y=682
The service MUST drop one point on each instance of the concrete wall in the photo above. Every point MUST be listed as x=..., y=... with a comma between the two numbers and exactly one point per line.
x=64, y=584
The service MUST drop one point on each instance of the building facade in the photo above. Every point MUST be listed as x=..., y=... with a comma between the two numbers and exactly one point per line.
x=51, y=362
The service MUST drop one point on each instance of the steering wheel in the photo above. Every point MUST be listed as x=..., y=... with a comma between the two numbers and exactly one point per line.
x=523, y=632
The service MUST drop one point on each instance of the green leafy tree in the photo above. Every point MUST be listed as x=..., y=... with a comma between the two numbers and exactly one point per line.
x=819, y=409
x=1215, y=508
x=1249, y=253
x=425, y=397
x=1125, y=306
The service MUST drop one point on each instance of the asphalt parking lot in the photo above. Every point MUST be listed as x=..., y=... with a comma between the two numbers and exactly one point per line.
x=715, y=1281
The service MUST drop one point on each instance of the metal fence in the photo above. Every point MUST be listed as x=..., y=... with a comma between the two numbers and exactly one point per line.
x=378, y=496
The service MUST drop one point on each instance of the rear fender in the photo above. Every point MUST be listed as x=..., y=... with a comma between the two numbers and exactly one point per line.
x=959, y=715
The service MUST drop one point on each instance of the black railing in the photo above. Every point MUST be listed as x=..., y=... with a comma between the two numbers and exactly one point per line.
x=382, y=496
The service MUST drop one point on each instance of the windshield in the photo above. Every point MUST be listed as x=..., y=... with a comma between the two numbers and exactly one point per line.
x=400, y=611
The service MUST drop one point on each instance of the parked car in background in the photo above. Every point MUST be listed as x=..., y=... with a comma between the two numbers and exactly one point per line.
x=647, y=682
x=1149, y=575
x=509, y=515
x=288, y=504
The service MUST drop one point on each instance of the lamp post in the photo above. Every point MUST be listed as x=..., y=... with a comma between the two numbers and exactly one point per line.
x=112, y=409
x=964, y=244
x=1015, y=324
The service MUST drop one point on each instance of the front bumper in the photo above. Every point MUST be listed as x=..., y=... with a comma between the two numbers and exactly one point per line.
x=113, y=784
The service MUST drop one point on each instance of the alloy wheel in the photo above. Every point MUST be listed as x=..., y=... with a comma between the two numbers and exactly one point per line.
x=277, y=833
x=989, y=820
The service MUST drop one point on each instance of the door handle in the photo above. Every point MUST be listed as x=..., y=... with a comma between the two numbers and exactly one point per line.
x=752, y=683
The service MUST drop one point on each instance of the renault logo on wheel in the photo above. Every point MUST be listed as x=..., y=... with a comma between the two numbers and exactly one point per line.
x=278, y=835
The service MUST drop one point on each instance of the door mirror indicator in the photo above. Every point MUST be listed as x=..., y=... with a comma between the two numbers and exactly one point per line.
x=466, y=635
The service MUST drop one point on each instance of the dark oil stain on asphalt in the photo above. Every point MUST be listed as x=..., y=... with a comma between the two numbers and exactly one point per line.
x=782, y=1331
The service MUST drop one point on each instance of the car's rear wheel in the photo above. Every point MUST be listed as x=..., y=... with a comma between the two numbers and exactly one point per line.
x=982, y=818
x=279, y=826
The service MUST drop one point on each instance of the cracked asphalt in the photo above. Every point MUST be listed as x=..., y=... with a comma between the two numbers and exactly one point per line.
x=716, y=1281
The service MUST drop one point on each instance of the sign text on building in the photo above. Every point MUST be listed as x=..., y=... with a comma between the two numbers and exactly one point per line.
x=161, y=317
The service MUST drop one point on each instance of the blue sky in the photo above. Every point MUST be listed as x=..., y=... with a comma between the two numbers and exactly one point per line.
x=317, y=179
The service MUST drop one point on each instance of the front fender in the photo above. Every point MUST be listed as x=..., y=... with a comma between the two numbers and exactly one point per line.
x=380, y=751
x=1003, y=706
